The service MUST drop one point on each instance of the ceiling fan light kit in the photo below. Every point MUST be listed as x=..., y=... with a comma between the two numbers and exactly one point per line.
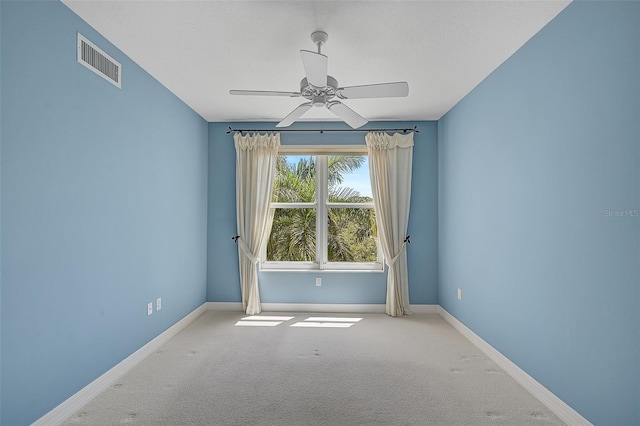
x=321, y=89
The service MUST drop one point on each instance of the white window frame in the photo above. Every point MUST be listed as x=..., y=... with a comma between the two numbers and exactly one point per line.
x=322, y=206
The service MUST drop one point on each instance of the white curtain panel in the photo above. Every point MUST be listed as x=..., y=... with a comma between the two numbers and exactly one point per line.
x=390, y=159
x=256, y=157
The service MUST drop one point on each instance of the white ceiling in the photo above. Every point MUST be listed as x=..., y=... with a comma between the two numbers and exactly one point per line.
x=201, y=49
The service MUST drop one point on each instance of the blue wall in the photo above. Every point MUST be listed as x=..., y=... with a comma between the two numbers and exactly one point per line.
x=290, y=287
x=0, y=215
x=524, y=195
x=103, y=210
x=536, y=166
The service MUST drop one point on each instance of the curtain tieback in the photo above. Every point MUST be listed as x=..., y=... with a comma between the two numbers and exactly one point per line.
x=246, y=250
x=402, y=247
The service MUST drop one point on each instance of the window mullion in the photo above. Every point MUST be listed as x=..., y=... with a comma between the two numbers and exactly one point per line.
x=351, y=205
x=321, y=224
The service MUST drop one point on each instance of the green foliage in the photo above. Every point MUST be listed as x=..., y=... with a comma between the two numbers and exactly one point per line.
x=351, y=231
x=293, y=235
x=295, y=184
x=351, y=237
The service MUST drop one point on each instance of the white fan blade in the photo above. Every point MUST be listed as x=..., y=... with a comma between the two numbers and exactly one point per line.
x=294, y=115
x=346, y=114
x=384, y=90
x=263, y=93
x=315, y=66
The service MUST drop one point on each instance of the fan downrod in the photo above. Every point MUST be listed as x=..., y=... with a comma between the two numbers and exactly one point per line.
x=319, y=38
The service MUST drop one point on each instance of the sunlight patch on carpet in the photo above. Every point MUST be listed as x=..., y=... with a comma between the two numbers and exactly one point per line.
x=310, y=322
x=327, y=322
x=262, y=321
x=258, y=323
x=266, y=318
x=333, y=319
x=323, y=324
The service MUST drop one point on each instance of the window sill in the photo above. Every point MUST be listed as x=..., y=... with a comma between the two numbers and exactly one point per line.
x=322, y=271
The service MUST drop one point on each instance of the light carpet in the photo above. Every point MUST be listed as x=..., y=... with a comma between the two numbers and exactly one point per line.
x=413, y=370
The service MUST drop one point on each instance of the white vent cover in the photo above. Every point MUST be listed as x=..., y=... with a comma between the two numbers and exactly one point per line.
x=98, y=61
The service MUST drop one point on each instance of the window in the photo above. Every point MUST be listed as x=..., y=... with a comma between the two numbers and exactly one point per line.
x=323, y=215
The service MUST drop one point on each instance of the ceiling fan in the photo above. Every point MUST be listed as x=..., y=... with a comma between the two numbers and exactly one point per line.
x=320, y=89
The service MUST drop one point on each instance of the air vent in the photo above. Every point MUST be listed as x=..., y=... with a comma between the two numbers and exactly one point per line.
x=98, y=61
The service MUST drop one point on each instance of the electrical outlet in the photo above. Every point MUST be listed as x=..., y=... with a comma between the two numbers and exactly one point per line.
x=459, y=294
x=318, y=281
x=158, y=303
x=149, y=308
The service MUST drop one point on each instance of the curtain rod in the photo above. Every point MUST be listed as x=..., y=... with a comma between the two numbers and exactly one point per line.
x=404, y=130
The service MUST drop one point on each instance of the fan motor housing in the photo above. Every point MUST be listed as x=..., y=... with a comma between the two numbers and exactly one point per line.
x=319, y=95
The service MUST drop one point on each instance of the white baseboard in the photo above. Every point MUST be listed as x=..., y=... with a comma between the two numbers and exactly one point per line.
x=355, y=308
x=544, y=395
x=323, y=307
x=75, y=402
x=301, y=307
x=224, y=306
x=425, y=309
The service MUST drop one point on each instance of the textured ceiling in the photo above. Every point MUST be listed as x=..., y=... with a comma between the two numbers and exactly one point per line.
x=201, y=49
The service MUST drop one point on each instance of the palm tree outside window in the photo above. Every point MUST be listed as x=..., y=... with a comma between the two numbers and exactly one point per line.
x=323, y=214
